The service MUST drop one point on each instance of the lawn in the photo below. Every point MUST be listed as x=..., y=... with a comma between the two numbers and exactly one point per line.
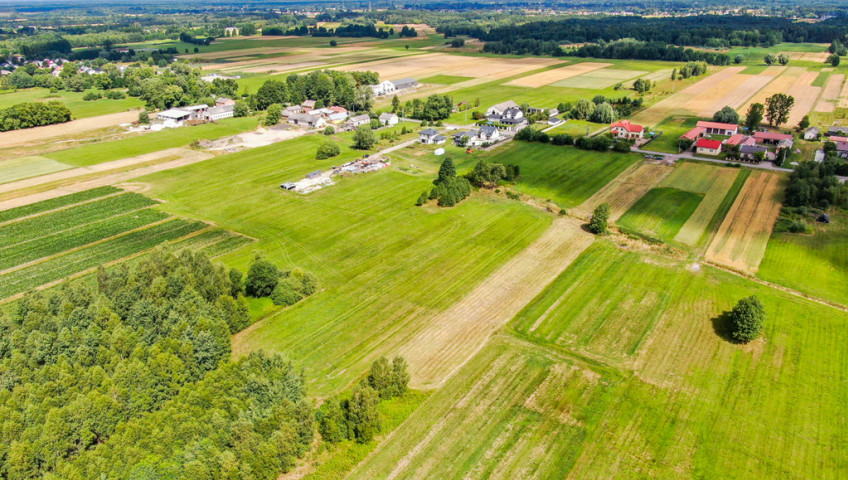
x=445, y=79
x=100, y=152
x=617, y=371
x=576, y=128
x=73, y=100
x=385, y=267
x=816, y=264
x=661, y=212
x=672, y=128
x=565, y=175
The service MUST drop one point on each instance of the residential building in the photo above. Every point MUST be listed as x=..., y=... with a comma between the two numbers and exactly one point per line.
x=431, y=137
x=500, y=108
x=383, y=88
x=359, y=120
x=694, y=134
x=388, y=119
x=705, y=146
x=812, y=133
x=306, y=120
x=469, y=137
x=837, y=130
x=488, y=133
x=625, y=129
x=717, y=128
x=740, y=139
x=771, y=138
x=749, y=152
x=842, y=149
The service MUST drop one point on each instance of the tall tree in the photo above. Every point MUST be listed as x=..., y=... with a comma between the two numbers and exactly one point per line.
x=746, y=319
x=778, y=107
x=600, y=217
x=726, y=115
x=754, y=116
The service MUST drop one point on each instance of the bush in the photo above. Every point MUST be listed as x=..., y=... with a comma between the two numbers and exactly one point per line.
x=746, y=319
x=422, y=199
x=92, y=95
x=329, y=130
x=327, y=150
x=600, y=217
x=240, y=109
x=286, y=292
x=144, y=117
x=115, y=95
x=262, y=278
x=621, y=146
x=274, y=114
x=364, y=138
x=562, y=139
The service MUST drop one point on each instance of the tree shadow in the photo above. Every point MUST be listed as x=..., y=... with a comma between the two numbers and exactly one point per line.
x=722, y=327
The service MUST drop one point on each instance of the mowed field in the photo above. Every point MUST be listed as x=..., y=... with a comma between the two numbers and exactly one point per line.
x=623, y=191
x=630, y=379
x=741, y=240
x=661, y=212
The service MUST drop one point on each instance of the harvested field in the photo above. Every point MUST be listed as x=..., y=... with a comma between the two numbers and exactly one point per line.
x=556, y=75
x=711, y=181
x=598, y=79
x=843, y=96
x=428, y=65
x=830, y=94
x=795, y=81
x=454, y=336
x=661, y=212
x=743, y=236
x=42, y=134
x=817, y=57
x=25, y=167
x=624, y=190
x=659, y=75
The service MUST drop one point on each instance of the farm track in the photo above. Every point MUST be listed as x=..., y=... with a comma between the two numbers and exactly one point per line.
x=455, y=335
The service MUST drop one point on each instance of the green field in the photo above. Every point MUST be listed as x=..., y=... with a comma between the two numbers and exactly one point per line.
x=672, y=128
x=576, y=128
x=566, y=175
x=371, y=248
x=25, y=167
x=617, y=371
x=58, y=202
x=661, y=212
x=100, y=152
x=73, y=100
x=816, y=264
x=445, y=79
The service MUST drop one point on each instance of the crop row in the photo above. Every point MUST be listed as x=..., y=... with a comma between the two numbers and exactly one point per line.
x=54, y=203
x=50, y=223
x=95, y=255
x=226, y=246
x=76, y=237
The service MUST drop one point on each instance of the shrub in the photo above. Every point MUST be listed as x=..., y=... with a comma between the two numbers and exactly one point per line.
x=621, y=146
x=92, y=95
x=115, y=95
x=562, y=139
x=422, y=199
x=327, y=150
x=329, y=130
x=286, y=292
x=600, y=217
x=143, y=117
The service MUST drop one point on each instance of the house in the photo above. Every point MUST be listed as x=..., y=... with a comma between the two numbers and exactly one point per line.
x=771, y=138
x=338, y=109
x=383, y=88
x=358, y=120
x=173, y=117
x=812, y=133
x=219, y=112
x=304, y=119
x=553, y=112
x=289, y=111
x=625, y=129
x=431, y=137
x=388, y=119
x=694, y=134
x=785, y=143
x=404, y=83
x=837, y=130
x=837, y=139
x=308, y=105
x=337, y=117
x=321, y=112
x=739, y=139
x=223, y=101
x=464, y=138
x=197, y=112
x=212, y=76
x=705, y=146
x=488, y=134
x=749, y=152
x=500, y=108
x=842, y=149
x=717, y=128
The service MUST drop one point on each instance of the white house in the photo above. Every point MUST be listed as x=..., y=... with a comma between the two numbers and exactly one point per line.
x=500, y=108
x=626, y=130
x=488, y=134
x=431, y=137
x=812, y=133
x=388, y=119
x=383, y=88
x=358, y=120
x=306, y=120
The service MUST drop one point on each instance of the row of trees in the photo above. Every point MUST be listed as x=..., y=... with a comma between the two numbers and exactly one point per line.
x=33, y=114
x=815, y=185
x=434, y=108
x=327, y=87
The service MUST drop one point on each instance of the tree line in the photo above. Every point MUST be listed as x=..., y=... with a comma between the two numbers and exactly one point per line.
x=33, y=114
x=327, y=87
x=91, y=371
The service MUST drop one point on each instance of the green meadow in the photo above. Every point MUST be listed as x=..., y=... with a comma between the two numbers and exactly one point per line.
x=73, y=100
x=661, y=212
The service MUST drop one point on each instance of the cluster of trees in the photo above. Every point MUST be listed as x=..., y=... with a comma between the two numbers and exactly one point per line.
x=92, y=370
x=778, y=107
x=448, y=189
x=188, y=38
x=816, y=185
x=598, y=110
x=639, y=50
x=352, y=30
x=284, y=287
x=691, y=69
x=598, y=143
x=326, y=87
x=642, y=85
x=433, y=108
x=772, y=59
x=726, y=115
x=33, y=114
x=489, y=174
x=598, y=224
x=357, y=418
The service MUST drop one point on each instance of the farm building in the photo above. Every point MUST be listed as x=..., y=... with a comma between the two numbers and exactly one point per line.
x=308, y=105
x=388, y=119
x=431, y=137
x=213, y=76
x=289, y=111
x=749, y=152
x=717, y=128
x=740, y=139
x=500, y=108
x=627, y=130
x=837, y=139
x=218, y=113
x=694, y=134
x=404, y=83
x=383, y=88
x=842, y=149
x=705, y=146
x=173, y=117
x=306, y=120
x=224, y=101
x=812, y=133
x=837, y=130
x=771, y=138
x=357, y=121
x=197, y=111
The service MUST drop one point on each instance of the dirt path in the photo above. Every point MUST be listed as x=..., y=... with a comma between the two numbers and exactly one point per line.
x=25, y=136
x=455, y=335
x=107, y=179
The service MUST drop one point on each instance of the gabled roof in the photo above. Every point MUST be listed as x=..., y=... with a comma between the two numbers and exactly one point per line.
x=387, y=116
x=837, y=139
x=174, y=113
x=626, y=125
x=694, y=133
x=429, y=132
x=813, y=130
x=304, y=117
x=752, y=149
x=488, y=129
x=772, y=136
x=707, y=143
x=735, y=139
x=404, y=81
x=719, y=125
x=504, y=105
x=842, y=147
x=360, y=118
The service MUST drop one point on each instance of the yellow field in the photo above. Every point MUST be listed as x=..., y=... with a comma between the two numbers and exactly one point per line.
x=743, y=236
x=830, y=94
x=455, y=335
x=427, y=65
x=552, y=76
x=624, y=190
x=795, y=81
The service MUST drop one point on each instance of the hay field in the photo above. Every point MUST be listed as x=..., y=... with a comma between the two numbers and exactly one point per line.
x=623, y=191
x=661, y=212
x=431, y=64
x=455, y=335
x=556, y=75
x=30, y=166
x=843, y=96
x=795, y=81
x=36, y=135
x=598, y=79
x=312, y=58
x=830, y=94
x=743, y=236
x=711, y=181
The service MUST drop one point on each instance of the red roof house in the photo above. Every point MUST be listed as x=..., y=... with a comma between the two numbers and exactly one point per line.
x=625, y=129
x=717, y=128
x=708, y=147
x=694, y=134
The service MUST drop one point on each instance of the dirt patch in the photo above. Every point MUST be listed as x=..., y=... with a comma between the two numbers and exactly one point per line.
x=743, y=236
x=455, y=335
x=41, y=134
x=623, y=191
x=556, y=75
